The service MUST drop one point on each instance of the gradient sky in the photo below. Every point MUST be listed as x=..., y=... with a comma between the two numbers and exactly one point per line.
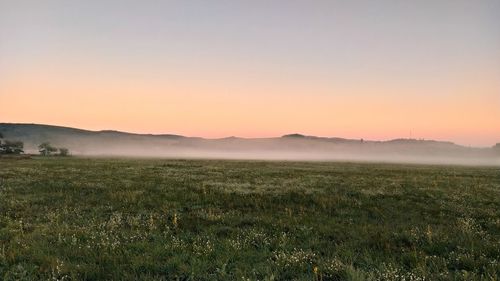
x=358, y=69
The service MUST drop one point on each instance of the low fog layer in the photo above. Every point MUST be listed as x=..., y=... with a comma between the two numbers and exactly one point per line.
x=291, y=147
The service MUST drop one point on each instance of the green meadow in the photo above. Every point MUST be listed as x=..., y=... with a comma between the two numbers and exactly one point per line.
x=138, y=219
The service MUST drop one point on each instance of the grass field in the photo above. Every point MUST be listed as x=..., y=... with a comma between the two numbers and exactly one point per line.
x=130, y=219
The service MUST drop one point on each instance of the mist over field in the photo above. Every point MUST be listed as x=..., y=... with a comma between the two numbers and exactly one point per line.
x=288, y=147
x=321, y=140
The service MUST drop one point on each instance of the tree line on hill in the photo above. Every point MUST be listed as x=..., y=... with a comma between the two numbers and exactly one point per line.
x=10, y=147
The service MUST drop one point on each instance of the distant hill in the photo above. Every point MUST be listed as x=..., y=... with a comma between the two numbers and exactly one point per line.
x=294, y=136
x=497, y=147
x=288, y=147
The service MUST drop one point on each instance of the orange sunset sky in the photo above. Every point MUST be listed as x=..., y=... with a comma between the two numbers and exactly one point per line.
x=351, y=69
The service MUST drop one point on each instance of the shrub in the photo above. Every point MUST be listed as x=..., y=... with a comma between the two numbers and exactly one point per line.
x=63, y=151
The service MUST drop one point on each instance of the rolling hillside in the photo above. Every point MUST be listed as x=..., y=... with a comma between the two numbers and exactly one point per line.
x=292, y=146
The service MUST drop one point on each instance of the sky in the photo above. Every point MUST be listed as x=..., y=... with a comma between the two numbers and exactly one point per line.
x=357, y=69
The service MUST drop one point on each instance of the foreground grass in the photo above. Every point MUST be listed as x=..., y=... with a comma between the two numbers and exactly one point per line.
x=97, y=219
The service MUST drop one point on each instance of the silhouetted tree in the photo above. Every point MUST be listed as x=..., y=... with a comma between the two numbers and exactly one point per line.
x=46, y=149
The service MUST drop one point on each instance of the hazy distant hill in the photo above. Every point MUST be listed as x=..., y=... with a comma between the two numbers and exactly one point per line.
x=292, y=146
x=81, y=141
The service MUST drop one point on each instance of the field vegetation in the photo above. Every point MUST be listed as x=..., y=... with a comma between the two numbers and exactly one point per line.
x=132, y=219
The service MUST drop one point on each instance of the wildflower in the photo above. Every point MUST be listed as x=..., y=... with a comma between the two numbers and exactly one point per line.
x=174, y=220
x=429, y=233
x=316, y=273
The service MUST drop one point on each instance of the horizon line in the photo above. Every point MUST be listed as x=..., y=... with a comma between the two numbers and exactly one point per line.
x=291, y=135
